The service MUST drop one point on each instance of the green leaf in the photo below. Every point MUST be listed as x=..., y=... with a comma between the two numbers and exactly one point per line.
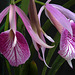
x=56, y=65
x=8, y=67
x=24, y=6
x=69, y=3
x=6, y=23
x=2, y=27
x=24, y=68
x=33, y=69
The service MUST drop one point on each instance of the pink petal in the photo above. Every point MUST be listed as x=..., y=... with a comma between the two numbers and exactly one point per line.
x=12, y=18
x=40, y=12
x=29, y=28
x=48, y=37
x=66, y=12
x=3, y=13
x=58, y=19
x=70, y=63
x=43, y=53
x=20, y=54
x=37, y=49
x=67, y=45
x=48, y=1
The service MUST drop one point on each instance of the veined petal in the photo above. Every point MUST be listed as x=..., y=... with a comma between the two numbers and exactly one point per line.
x=58, y=19
x=29, y=28
x=12, y=18
x=3, y=13
x=66, y=12
x=67, y=45
x=19, y=54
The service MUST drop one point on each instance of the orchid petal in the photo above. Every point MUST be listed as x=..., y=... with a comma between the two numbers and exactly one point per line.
x=66, y=12
x=58, y=19
x=48, y=37
x=43, y=52
x=19, y=54
x=37, y=49
x=12, y=18
x=3, y=13
x=29, y=28
x=48, y=1
x=40, y=11
x=67, y=45
x=70, y=63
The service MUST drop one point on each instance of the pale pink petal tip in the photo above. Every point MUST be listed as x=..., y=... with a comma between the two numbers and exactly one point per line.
x=70, y=63
x=40, y=12
x=43, y=52
x=48, y=37
x=48, y=1
x=19, y=54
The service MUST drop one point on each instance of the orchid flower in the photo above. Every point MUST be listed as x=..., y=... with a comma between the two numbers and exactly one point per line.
x=58, y=15
x=34, y=20
x=67, y=44
x=12, y=43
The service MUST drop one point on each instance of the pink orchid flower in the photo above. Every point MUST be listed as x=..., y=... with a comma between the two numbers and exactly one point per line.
x=67, y=44
x=35, y=23
x=59, y=16
x=13, y=45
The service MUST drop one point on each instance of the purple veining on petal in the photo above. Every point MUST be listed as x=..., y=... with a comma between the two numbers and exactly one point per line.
x=19, y=54
x=67, y=45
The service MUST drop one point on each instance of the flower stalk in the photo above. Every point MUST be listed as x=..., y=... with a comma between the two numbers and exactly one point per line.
x=12, y=2
x=41, y=3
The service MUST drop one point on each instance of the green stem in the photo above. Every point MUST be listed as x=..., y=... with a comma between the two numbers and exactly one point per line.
x=12, y=2
x=41, y=3
x=17, y=1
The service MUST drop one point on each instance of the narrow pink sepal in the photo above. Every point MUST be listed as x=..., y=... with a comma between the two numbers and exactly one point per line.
x=12, y=18
x=40, y=12
x=58, y=19
x=69, y=14
x=29, y=28
x=3, y=13
x=19, y=54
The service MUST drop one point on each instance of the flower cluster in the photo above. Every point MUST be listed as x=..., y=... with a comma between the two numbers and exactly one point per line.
x=13, y=44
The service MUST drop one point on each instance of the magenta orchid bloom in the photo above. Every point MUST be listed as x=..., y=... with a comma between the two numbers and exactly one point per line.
x=67, y=44
x=59, y=16
x=13, y=45
x=35, y=23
